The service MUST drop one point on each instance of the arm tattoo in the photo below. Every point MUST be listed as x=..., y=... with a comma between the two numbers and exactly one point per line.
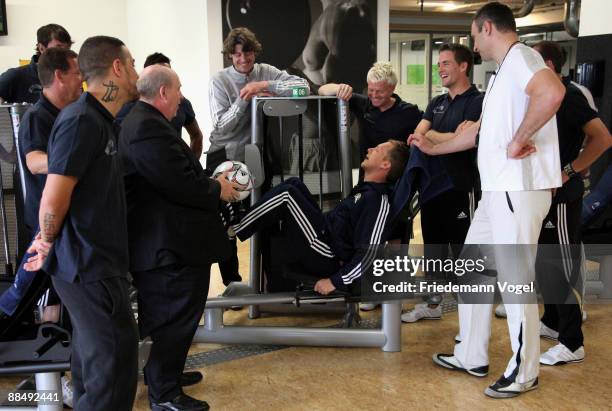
x=111, y=92
x=49, y=230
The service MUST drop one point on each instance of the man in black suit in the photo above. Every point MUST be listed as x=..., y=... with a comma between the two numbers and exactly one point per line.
x=174, y=232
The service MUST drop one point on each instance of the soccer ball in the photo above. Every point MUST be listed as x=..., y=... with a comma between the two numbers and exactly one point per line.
x=238, y=173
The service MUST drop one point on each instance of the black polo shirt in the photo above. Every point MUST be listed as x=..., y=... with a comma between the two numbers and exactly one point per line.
x=21, y=84
x=397, y=122
x=184, y=115
x=92, y=243
x=34, y=131
x=572, y=116
x=445, y=114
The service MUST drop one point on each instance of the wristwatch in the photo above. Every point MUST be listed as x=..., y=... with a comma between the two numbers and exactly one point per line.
x=569, y=170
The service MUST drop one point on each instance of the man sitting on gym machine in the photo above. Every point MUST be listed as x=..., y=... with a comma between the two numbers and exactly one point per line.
x=334, y=245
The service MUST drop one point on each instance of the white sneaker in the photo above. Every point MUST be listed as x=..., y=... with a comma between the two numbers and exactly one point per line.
x=500, y=311
x=560, y=354
x=368, y=306
x=422, y=312
x=457, y=338
x=504, y=388
x=548, y=333
x=67, y=392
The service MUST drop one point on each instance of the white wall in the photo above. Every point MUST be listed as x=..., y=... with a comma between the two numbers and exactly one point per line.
x=214, y=46
x=382, y=31
x=180, y=31
x=81, y=18
x=595, y=17
x=183, y=33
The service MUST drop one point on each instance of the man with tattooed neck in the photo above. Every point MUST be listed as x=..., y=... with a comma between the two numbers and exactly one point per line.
x=85, y=250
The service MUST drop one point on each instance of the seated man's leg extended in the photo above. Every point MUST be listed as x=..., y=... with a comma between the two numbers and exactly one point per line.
x=302, y=223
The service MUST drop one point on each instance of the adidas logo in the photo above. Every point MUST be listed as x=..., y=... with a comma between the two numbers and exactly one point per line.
x=549, y=225
x=461, y=216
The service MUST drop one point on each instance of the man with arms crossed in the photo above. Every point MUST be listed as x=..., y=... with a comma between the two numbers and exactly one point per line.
x=518, y=161
x=62, y=84
x=445, y=219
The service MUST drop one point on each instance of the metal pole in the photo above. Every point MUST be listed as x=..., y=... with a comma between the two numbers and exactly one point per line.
x=213, y=319
x=255, y=242
x=392, y=326
x=292, y=336
x=428, y=60
x=16, y=112
x=319, y=113
x=300, y=149
x=49, y=383
x=344, y=147
x=282, y=168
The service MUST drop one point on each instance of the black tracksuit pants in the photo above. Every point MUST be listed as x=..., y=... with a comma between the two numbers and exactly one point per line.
x=305, y=245
x=445, y=221
x=559, y=272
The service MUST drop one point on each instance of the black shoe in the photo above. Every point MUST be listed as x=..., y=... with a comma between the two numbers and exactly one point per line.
x=450, y=362
x=181, y=402
x=504, y=388
x=190, y=378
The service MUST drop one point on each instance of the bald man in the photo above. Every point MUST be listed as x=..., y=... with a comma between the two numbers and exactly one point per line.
x=174, y=232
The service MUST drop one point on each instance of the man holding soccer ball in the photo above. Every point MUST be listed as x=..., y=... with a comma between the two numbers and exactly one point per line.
x=175, y=233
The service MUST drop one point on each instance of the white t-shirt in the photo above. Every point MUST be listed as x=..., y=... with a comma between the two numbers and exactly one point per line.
x=504, y=108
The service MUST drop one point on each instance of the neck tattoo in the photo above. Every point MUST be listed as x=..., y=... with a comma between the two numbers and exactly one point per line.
x=111, y=92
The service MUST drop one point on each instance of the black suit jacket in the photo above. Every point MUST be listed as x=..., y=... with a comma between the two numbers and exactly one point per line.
x=172, y=203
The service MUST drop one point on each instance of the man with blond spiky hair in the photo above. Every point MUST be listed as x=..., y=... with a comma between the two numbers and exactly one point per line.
x=382, y=113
